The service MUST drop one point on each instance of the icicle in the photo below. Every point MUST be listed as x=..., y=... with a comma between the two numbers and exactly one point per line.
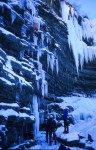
x=45, y=88
x=47, y=39
x=86, y=28
x=42, y=87
x=17, y=96
x=13, y=16
x=43, y=80
x=20, y=86
x=72, y=11
x=52, y=61
x=39, y=54
x=39, y=67
x=8, y=64
x=48, y=59
x=57, y=67
x=64, y=11
x=23, y=31
x=21, y=54
x=43, y=75
x=42, y=38
x=37, y=82
x=35, y=39
x=29, y=4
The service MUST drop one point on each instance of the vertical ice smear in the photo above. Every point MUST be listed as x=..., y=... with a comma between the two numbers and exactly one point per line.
x=29, y=4
x=64, y=11
x=35, y=39
x=20, y=86
x=42, y=87
x=13, y=16
x=39, y=54
x=57, y=67
x=52, y=61
x=48, y=59
x=36, y=114
x=8, y=64
x=45, y=88
x=37, y=82
x=43, y=75
x=21, y=54
x=76, y=34
x=39, y=67
x=86, y=26
x=42, y=39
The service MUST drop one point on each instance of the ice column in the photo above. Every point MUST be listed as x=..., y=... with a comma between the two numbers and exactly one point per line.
x=36, y=114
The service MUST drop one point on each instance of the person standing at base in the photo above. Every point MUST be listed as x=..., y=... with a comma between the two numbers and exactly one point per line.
x=65, y=117
x=51, y=128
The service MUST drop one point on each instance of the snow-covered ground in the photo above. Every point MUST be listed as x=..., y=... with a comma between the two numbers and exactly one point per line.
x=84, y=115
x=42, y=144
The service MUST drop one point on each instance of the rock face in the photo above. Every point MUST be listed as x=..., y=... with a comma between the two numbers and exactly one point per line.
x=24, y=42
x=64, y=82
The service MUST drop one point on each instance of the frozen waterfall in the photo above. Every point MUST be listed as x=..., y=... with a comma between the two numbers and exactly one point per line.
x=76, y=35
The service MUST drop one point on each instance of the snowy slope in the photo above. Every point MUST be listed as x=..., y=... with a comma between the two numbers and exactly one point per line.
x=84, y=115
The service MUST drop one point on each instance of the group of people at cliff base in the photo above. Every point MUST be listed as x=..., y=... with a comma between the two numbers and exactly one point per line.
x=51, y=127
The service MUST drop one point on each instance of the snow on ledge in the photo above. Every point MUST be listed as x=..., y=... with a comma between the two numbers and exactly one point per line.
x=8, y=112
x=9, y=104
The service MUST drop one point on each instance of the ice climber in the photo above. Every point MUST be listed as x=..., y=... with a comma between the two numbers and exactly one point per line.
x=65, y=117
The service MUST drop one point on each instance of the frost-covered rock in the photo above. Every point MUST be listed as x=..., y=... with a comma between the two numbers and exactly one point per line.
x=3, y=54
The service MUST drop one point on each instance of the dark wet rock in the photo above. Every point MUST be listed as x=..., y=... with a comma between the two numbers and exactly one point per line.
x=1, y=65
x=9, y=106
x=63, y=147
x=27, y=72
x=12, y=20
x=25, y=110
x=8, y=91
x=16, y=66
x=10, y=41
x=58, y=100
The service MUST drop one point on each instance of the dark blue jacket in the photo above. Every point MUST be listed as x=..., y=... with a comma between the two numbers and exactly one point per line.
x=66, y=114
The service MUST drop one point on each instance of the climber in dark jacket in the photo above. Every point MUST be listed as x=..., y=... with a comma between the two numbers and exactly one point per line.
x=51, y=128
x=65, y=117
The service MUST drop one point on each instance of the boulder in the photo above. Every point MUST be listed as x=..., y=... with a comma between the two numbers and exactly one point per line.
x=70, y=139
